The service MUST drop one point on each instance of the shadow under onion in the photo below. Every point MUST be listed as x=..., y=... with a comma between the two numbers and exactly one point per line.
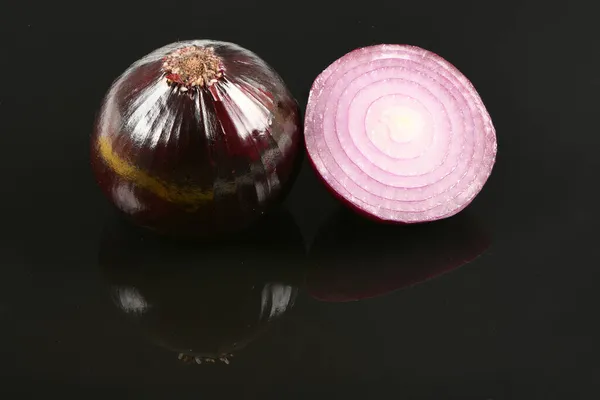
x=353, y=258
x=204, y=301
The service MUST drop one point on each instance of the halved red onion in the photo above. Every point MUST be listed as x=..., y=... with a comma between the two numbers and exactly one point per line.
x=399, y=134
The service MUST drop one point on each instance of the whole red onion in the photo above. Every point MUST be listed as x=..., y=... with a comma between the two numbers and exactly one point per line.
x=199, y=137
x=399, y=134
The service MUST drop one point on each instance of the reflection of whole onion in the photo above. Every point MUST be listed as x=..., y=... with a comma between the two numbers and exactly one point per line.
x=353, y=258
x=204, y=301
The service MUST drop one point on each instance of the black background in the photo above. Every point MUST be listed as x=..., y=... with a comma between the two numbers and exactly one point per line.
x=520, y=322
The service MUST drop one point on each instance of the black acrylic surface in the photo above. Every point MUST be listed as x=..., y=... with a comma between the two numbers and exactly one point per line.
x=518, y=322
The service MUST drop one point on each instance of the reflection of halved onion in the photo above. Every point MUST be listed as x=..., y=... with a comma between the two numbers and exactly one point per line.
x=354, y=259
x=399, y=134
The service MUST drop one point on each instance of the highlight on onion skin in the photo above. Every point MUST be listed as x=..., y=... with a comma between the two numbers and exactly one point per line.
x=399, y=134
x=204, y=302
x=198, y=138
x=354, y=258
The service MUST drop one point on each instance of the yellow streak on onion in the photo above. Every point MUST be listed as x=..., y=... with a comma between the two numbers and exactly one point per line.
x=188, y=195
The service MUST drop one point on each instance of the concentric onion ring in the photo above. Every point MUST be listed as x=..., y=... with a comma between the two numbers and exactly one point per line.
x=399, y=134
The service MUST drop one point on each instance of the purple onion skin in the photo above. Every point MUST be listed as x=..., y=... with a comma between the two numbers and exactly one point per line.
x=204, y=300
x=354, y=258
x=205, y=162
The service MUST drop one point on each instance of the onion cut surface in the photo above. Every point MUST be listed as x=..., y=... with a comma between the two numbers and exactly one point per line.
x=399, y=134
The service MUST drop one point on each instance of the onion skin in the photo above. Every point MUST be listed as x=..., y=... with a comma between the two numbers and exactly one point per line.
x=202, y=160
x=399, y=135
x=204, y=301
x=354, y=258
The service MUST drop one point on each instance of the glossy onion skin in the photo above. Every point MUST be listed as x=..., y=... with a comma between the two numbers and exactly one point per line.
x=353, y=258
x=431, y=176
x=199, y=299
x=201, y=163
